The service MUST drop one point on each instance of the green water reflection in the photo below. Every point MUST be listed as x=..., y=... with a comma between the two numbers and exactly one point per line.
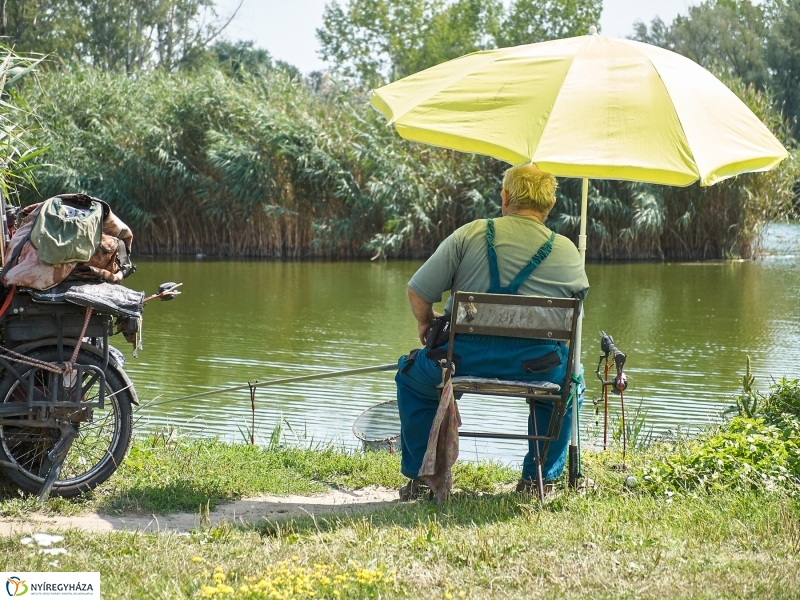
x=686, y=327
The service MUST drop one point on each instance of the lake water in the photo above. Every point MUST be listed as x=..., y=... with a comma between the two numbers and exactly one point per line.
x=687, y=329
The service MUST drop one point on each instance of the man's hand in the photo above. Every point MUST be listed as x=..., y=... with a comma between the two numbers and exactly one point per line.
x=423, y=313
x=422, y=328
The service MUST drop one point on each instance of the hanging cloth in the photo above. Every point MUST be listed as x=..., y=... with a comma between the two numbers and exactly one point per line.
x=442, y=451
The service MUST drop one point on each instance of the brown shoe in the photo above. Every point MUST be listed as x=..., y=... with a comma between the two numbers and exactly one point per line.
x=529, y=486
x=414, y=490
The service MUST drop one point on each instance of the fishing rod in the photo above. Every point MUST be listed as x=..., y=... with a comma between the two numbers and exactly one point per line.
x=250, y=386
x=618, y=384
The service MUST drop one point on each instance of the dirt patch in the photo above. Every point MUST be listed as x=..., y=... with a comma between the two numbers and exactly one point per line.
x=245, y=511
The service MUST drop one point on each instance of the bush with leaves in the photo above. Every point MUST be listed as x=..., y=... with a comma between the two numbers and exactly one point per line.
x=744, y=453
x=759, y=448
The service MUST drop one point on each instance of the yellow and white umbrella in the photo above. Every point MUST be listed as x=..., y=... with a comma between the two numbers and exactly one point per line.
x=588, y=107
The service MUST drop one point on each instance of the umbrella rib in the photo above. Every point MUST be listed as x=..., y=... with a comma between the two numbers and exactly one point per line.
x=677, y=116
x=555, y=101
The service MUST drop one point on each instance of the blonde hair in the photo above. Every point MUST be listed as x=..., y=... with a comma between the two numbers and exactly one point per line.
x=529, y=187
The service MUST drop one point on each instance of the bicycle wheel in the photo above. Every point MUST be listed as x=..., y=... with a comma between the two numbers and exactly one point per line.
x=95, y=453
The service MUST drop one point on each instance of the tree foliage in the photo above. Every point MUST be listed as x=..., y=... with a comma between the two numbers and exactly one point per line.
x=377, y=41
x=736, y=39
x=724, y=36
x=374, y=41
x=531, y=21
x=783, y=55
x=115, y=35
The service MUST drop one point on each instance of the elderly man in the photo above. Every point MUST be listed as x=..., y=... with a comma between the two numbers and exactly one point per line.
x=513, y=254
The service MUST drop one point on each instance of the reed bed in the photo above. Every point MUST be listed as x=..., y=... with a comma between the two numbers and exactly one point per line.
x=274, y=166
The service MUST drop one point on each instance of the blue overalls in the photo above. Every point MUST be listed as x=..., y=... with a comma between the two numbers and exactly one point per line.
x=484, y=356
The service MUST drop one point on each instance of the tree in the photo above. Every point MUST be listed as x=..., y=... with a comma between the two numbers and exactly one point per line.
x=368, y=39
x=243, y=58
x=114, y=34
x=783, y=56
x=726, y=37
x=657, y=35
x=530, y=21
x=42, y=27
x=463, y=27
x=376, y=41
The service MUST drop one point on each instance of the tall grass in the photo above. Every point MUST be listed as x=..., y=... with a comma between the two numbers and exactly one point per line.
x=263, y=167
x=18, y=153
x=275, y=167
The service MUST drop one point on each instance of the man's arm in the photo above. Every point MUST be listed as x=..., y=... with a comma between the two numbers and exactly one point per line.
x=423, y=313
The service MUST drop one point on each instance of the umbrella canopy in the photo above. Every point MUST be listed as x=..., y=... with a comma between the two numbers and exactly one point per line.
x=588, y=106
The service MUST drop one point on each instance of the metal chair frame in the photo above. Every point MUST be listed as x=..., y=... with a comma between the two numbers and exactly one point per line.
x=523, y=319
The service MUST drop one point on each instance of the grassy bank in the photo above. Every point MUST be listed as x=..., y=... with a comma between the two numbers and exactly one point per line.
x=486, y=542
x=492, y=546
x=161, y=475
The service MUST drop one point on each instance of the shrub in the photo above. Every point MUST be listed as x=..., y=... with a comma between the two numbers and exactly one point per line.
x=759, y=448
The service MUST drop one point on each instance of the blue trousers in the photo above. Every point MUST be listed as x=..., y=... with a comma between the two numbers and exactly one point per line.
x=481, y=356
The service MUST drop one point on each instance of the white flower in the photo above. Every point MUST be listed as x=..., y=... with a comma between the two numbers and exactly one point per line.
x=45, y=539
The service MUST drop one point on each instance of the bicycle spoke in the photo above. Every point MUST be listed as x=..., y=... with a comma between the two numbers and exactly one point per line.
x=28, y=446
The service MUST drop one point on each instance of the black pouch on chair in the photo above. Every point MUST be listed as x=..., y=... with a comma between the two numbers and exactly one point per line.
x=440, y=354
x=439, y=332
x=543, y=364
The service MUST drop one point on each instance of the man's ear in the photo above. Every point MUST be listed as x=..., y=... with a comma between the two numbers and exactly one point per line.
x=504, y=195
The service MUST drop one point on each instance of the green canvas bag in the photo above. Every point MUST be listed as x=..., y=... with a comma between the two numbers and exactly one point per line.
x=67, y=231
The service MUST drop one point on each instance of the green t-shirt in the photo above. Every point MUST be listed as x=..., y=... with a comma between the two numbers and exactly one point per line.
x=460, y=262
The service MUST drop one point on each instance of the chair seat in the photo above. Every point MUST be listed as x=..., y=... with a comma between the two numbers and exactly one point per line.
x=487, y=385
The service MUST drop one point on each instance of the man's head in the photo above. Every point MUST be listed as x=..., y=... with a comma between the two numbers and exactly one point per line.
x=529, y=189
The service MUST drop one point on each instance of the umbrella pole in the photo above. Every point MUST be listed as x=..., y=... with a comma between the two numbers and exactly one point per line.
x=574, y=448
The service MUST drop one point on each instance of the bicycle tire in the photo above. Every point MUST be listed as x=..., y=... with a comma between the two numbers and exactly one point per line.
x=95, y=454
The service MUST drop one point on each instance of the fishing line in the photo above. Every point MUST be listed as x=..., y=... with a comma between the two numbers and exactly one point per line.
x=247, y=386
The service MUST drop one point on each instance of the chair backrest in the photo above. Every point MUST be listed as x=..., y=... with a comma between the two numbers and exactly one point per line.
x=534, y=317
x=509, y=315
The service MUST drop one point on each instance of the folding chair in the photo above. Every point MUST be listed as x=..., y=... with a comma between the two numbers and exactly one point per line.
x=532, y=317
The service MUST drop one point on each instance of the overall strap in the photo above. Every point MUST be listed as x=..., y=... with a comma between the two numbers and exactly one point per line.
x=535, y=261
x=494, y=272
x=491, y=255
